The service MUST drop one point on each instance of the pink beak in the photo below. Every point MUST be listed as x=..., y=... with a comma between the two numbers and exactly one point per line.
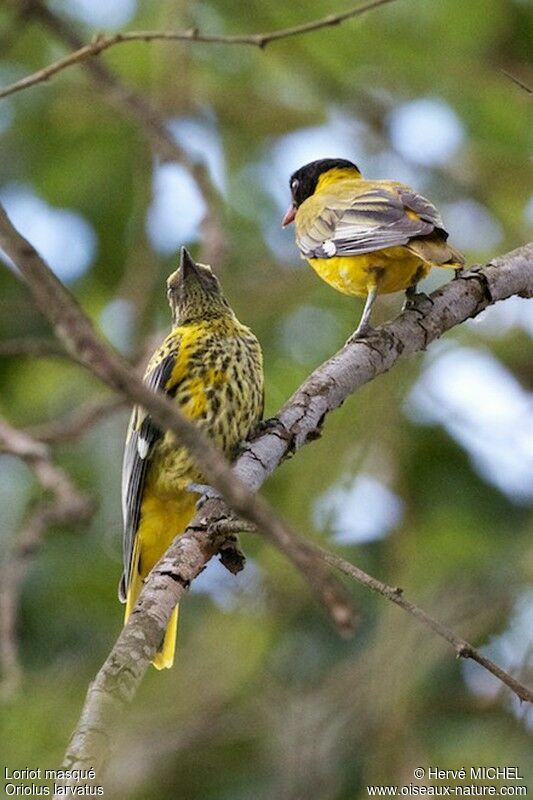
x=289, y=215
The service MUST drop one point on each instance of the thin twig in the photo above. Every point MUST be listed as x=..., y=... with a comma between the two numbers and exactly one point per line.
x=33, y=346
x=261, y=40
x=517, y=81
x=77, y=423
x=463, y=649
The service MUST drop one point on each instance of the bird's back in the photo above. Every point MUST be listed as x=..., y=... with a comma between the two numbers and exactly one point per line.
x=217, y=381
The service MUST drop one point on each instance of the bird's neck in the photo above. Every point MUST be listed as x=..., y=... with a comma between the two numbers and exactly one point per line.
x=336, y=174
x=210, y=317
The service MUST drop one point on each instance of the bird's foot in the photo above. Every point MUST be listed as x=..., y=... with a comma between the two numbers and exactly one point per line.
x=266, y=425
x=363, y=331
x=414, y=300
x=205, y=491
x=471, y=272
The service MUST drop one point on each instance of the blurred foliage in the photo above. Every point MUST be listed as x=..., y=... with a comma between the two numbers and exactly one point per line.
x=265, y=700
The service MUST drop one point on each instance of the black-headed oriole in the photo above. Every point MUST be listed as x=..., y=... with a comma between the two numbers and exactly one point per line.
x=365, y=237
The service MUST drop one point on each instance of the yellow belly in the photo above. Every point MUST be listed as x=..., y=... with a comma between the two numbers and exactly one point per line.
x=393, y=269
x=162, y=519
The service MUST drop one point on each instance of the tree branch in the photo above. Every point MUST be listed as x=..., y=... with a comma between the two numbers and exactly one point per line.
x=395, y=594
x=77, y=423
x=33, y=346
x=300, y=420
x=517, y=81
x=261, y=40
x=462, y=648
x=67, y=506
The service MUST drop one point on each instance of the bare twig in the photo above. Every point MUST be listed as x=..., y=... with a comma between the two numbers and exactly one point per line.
x=52, y=478
x=517, y=81
x=78, y=423
x=396, y=595
x=67, y=506
x=261, y=40
x=462, y=648
x=33, y=346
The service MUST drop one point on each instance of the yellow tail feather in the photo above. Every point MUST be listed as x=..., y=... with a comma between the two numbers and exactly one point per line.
x=164, y=658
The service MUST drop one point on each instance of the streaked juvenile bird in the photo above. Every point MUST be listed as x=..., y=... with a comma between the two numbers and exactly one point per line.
x=212, y=366
x=365, y=237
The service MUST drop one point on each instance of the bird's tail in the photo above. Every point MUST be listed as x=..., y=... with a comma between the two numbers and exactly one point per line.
x=437, y=252
x=164, y=658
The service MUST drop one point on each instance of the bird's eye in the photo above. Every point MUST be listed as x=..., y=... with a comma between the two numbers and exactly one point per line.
x=294, y=185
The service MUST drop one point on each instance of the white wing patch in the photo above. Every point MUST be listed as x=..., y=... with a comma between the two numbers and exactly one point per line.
x=142, y=447
x=329, y=247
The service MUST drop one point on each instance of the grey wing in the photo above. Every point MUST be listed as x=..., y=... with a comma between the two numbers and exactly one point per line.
x=142, y=436
x=421, y=206
x=368, y=222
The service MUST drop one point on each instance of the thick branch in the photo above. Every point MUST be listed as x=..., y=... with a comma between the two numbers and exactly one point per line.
x=301, y=418
x=101, y=43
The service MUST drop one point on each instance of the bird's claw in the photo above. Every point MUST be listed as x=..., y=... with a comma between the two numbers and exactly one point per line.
x=205, y=491
x=414, y=300
x=472, y=272
x=362, y=332
x=266, y=425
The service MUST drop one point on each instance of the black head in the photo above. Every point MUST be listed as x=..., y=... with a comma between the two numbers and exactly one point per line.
x=194, y=292
x=303, y=182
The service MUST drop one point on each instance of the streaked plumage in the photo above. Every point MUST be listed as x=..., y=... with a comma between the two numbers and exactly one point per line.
x=365, y=237
x=211, y=365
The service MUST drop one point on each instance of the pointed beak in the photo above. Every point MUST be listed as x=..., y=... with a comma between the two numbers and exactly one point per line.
x=187, y=268
x=187, y=264
x=289, y=215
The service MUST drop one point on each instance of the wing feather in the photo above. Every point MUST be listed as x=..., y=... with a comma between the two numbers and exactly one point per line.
x=346, y=223
x=142, y=436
